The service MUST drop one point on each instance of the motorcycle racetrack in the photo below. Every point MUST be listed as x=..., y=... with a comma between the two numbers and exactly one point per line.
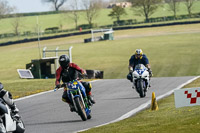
x=46, y=113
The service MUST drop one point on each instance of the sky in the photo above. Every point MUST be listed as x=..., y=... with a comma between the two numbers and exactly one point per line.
x=26, y=6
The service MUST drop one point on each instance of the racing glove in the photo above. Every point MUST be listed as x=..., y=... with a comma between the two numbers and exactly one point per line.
x=84, y=72
x=150, y=72
x=130, y=72
x=58, y=86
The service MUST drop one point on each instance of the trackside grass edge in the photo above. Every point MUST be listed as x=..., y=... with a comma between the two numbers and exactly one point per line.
x=167, y=119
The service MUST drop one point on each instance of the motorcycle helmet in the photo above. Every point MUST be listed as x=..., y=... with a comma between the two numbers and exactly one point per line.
x=1, y=86
x=64, y=61
x=138, y=53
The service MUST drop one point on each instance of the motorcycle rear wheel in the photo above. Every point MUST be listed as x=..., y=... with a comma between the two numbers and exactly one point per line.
x=80, y=108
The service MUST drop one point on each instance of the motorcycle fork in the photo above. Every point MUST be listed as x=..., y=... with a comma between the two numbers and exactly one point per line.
x=81, y=98
x=72, y=96
x=138, y=82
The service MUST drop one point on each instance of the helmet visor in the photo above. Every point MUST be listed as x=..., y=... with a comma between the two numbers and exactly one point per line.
x=64, y=64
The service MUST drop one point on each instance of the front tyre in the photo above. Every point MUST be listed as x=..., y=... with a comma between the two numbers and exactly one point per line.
x=2, y=128
x=141, y=88
x=20, y=127
x=80, y=108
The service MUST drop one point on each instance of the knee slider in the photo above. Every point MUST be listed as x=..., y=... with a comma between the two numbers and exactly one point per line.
x=129, y=77
x=64, y=100
x=90, y=85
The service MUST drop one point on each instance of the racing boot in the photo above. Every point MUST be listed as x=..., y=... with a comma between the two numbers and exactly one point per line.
x=91, y=99
x=15, y=111
x=129, y=77
x=149, y=83
x=133, y=87
x=72, y=108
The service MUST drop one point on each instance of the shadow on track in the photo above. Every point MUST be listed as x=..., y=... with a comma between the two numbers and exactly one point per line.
x=125, y=98
x=54, y=122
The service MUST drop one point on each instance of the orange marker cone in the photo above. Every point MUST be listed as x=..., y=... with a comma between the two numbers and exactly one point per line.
x=154, y=105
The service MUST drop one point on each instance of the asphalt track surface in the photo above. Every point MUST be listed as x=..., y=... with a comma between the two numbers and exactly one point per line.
x=46, y=113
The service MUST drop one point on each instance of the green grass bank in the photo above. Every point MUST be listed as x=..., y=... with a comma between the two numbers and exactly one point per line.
x=172, y=51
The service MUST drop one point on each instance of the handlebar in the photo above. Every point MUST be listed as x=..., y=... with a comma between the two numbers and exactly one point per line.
x=62, y=86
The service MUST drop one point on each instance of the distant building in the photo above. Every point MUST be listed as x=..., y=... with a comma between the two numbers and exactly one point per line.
x=122, y=4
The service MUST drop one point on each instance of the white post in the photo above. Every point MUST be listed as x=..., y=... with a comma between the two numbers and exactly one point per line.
x=57, y=64
x=70, y=53
x=92, y=39
x=38, y=37
x=57, y=51
x=44, y=54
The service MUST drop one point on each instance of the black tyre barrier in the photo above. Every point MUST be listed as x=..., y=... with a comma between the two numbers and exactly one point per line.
x=94, y=74
x=87, y=40
x=155, y=25
x=88, y=32
x=44, y=38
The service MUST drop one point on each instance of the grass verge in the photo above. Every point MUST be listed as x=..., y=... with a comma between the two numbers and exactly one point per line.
x=20, y=88
x=167, y=119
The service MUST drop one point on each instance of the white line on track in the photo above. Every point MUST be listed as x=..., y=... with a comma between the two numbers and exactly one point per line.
x=143, y=106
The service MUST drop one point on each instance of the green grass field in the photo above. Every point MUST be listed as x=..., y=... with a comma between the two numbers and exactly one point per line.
x=172, y=51
x=56, y=20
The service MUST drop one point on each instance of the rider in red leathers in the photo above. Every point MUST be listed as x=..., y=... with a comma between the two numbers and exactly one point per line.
x=69, y=72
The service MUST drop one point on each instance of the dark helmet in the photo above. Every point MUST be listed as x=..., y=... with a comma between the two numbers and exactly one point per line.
x=64, y=61
x=1, y=86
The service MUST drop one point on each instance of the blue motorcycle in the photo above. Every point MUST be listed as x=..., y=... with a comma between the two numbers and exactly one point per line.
x=77, y=95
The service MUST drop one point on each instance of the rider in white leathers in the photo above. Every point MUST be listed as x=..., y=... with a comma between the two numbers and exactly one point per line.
x=7, y=97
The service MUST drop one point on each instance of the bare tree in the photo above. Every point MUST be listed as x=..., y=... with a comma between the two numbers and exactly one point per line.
x=74, y=12
x=145, y=7
x=189, y=4
x=56, y=3
x=117, y=12
x=92, y=9
x=5, y=8
x=174, y=6
x=16, y=24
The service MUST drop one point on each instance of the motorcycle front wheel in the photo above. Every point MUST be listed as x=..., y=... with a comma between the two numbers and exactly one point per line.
x=20, y=127
x=141, y=88
x=80, y=108
x=2, y=128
